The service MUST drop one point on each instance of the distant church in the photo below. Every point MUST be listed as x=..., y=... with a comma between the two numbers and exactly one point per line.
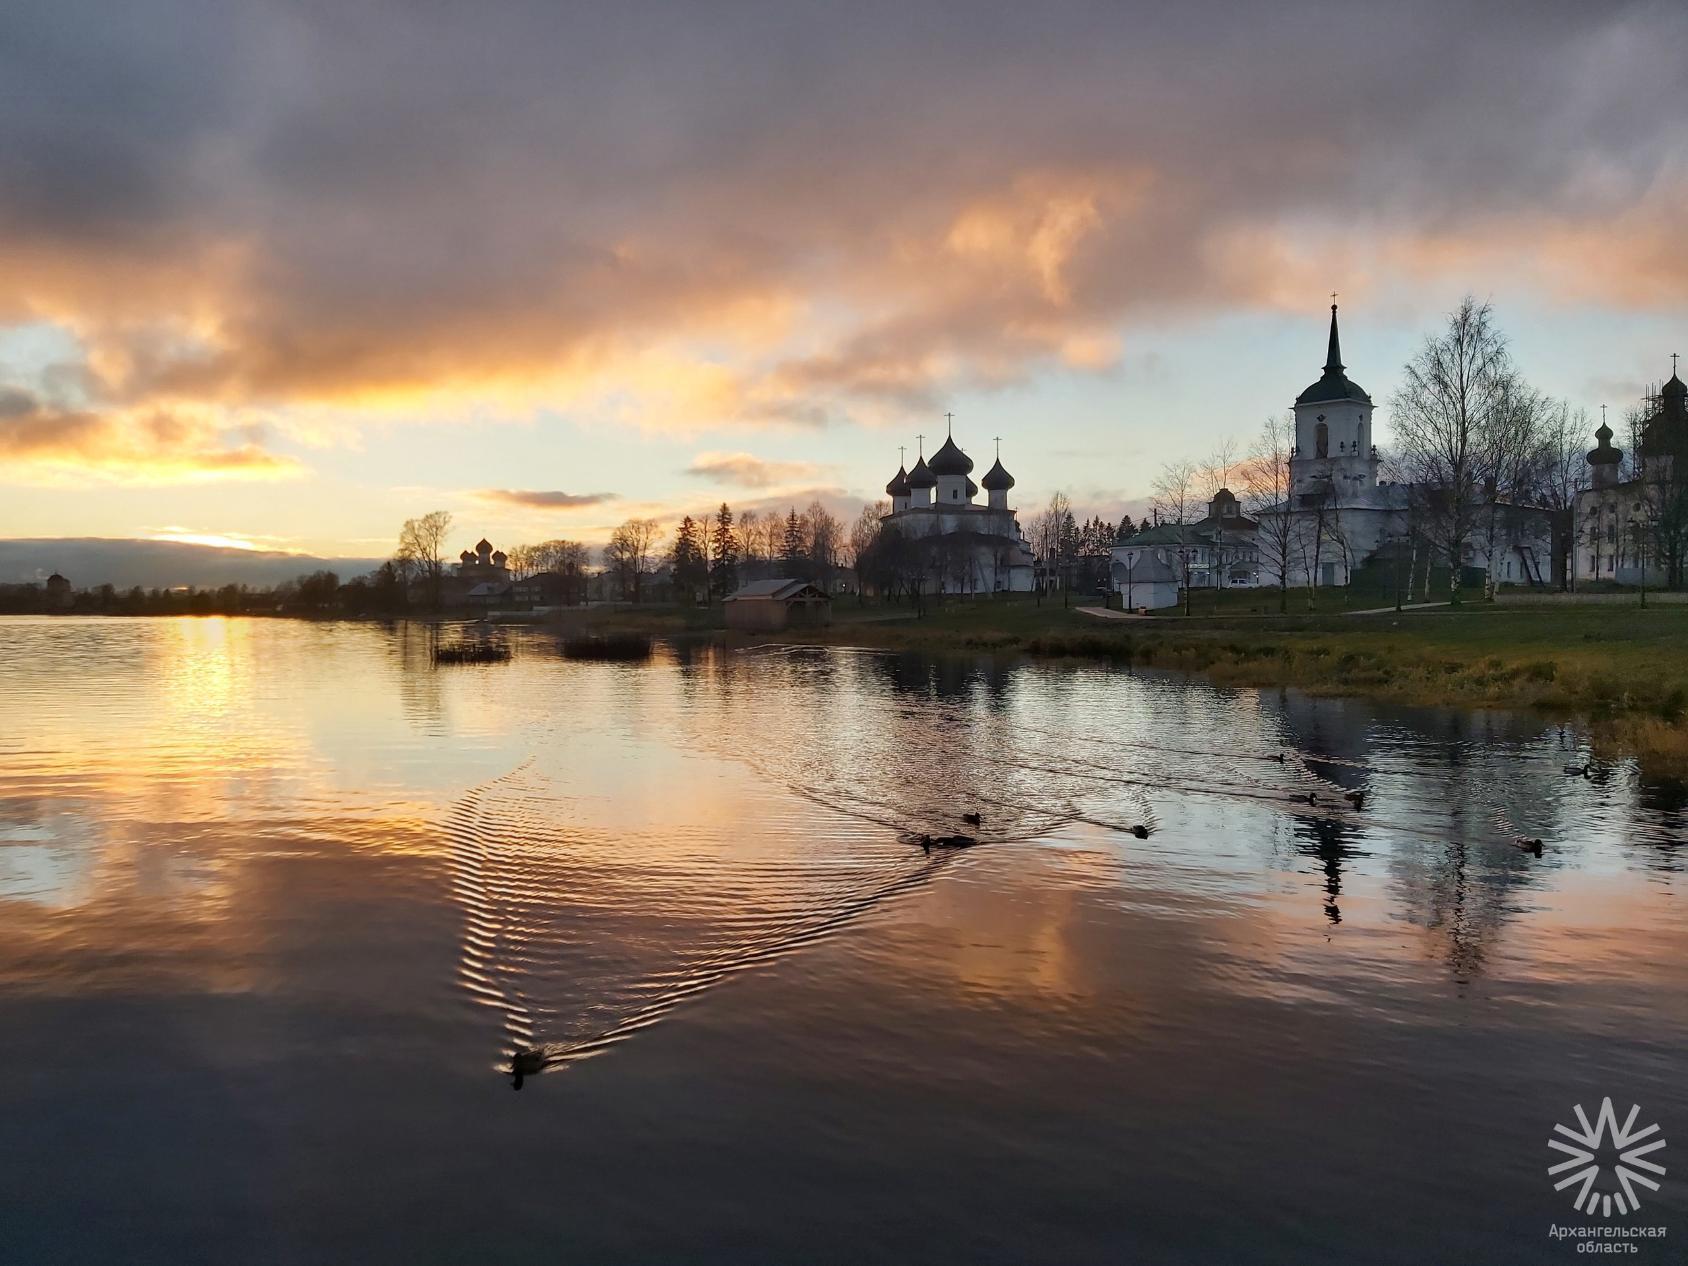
x=965, y=547
x=485, y=566
x=483, y=577
x=1618, y=522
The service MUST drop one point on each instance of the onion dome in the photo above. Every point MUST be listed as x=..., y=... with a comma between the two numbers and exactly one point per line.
x=898, y=487
x=466, y=557
x=1603, y=454
x=1675, y=391
x=972, y=489
x=921, y=476
x=1335, y=385
x=950, y=460
x=997, y=479
x=484, y=546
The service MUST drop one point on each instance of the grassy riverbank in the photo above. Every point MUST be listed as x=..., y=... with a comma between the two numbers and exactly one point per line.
x=1623, y=668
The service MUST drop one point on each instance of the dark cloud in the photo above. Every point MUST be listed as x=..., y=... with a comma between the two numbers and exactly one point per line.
x=538, y=500
x=849, y=209
x=16, y=404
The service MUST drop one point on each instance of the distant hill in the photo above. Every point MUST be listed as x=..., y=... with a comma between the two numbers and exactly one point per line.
x=91, y=561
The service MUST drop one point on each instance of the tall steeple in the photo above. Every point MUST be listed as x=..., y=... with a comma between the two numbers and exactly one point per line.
x=1333, y=437
x=1333, y=384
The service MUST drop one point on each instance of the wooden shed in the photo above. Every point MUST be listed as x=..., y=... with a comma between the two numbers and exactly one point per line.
x=770, y=605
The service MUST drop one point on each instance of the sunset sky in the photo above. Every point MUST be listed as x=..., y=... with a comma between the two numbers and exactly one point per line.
x=289, y=273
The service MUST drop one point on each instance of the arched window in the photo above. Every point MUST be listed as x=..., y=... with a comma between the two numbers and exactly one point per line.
x=1321, y=441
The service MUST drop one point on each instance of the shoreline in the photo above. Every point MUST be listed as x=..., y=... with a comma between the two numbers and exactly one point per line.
x=1623, y=679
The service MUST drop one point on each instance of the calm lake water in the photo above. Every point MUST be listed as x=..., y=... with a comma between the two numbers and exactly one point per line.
x=278, y=899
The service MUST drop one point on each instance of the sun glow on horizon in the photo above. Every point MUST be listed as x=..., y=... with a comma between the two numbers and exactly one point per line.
x=184, y=536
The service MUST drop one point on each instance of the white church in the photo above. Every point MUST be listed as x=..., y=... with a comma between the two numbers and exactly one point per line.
x=964, y=547
x=1343, y=514
x=1618, y=525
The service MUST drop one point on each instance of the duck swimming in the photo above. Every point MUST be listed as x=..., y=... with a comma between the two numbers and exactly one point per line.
x=525, y=1061
x=930, y=842
x=1529, y=844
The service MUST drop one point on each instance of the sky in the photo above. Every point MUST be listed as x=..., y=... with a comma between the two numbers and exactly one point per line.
x=287, y=274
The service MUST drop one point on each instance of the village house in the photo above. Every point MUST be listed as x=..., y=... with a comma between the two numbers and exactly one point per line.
x=767, y=606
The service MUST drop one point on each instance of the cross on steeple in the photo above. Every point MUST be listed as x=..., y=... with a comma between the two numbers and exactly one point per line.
x=1602, y=415
x=1673, y=364
x=922, y=449
x=1333, y=354
x=900, y=458
x=998, y=440
x=949, y=421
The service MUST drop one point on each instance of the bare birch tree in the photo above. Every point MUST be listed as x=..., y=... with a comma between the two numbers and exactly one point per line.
x=1560, y=474
x=1510, y=447
x=1215, y=477
x=1266, y=498
x=1174, y=491
x=422, y=547
x=1454, y=393
x=1045, y=533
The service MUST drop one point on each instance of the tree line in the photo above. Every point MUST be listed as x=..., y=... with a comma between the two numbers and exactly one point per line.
x=709, y=555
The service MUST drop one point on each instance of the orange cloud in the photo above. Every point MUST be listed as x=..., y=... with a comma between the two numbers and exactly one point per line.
x=146, y=446
x=676, y=238
x=745, y=470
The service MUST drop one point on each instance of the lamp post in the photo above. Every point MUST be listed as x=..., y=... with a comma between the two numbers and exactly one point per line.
x=1395, y=571
x=1640, y=528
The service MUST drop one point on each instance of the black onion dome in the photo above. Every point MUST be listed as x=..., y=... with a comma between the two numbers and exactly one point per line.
x=972, y=488
x=483, y=546
x=997, y=479
x=1335, y=385
x=898, y=487
x=1674, y=389
x=950, y=460
x=1604, y=454
x=921, y=476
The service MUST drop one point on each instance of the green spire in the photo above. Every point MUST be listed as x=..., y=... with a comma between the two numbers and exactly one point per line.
x=1333, y=358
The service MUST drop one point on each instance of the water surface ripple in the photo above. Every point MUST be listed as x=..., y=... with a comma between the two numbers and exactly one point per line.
x=1231, y=975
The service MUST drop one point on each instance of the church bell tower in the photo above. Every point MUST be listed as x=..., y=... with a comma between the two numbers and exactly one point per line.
x=1333, y=432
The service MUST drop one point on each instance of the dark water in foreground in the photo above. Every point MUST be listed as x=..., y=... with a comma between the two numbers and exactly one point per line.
x=276, y=900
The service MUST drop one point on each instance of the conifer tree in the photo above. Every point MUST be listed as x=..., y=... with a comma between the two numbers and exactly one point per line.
x=723, y=555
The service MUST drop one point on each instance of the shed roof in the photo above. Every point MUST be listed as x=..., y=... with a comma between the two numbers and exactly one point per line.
x=1150, y=569
x=778, y=590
